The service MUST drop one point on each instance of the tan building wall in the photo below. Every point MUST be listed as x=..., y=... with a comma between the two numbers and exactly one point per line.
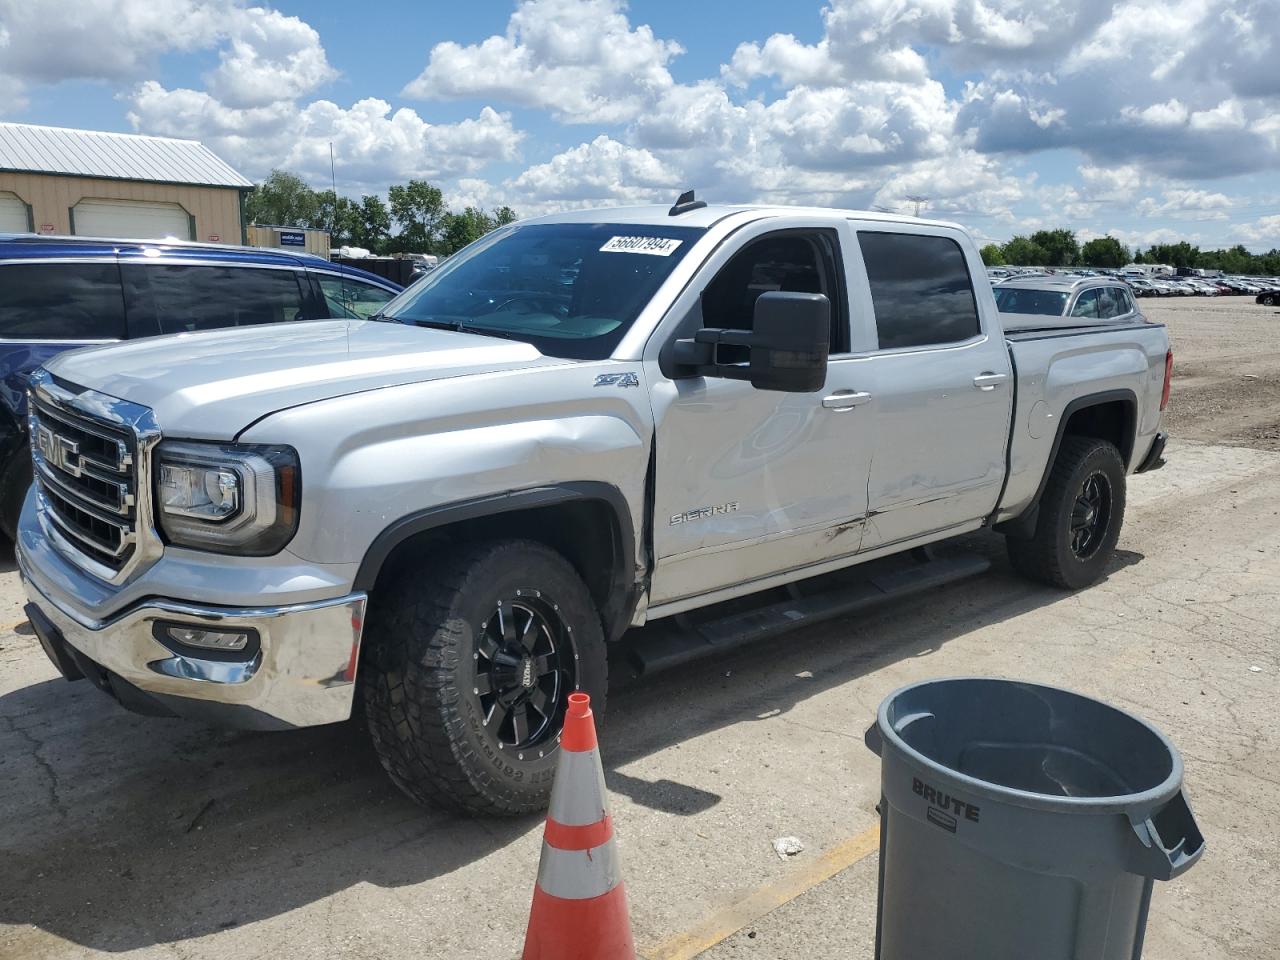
x=216, y=209
x=264, y=236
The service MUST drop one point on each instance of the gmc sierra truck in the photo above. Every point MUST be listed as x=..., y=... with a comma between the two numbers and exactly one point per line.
x=580, y=424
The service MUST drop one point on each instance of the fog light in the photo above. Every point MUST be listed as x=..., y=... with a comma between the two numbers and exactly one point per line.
x=236, y=643
x=209, y=639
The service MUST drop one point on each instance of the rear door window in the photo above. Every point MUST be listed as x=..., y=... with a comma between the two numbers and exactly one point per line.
x=1086, y=305
x=920, y=290
x=61, y=301
x=351, y=298
x=181, y=298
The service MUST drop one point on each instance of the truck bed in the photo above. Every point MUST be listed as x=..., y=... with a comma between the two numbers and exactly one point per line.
x=1060, y=363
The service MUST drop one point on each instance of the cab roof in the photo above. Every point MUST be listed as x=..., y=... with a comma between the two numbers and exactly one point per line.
x=711, y=214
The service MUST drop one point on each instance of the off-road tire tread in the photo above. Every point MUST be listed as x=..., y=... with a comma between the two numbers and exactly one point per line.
x=408, y=682
x=1039, y=556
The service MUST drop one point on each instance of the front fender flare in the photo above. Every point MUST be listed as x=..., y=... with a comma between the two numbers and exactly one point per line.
x=624, y=590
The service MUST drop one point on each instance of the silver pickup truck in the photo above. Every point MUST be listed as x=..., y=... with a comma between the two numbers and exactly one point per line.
x=581, y=424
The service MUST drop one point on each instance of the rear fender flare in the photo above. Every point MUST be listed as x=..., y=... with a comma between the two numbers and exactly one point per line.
x=1024, y=525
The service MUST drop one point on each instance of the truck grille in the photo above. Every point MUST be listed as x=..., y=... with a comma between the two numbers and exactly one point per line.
x=85, y=468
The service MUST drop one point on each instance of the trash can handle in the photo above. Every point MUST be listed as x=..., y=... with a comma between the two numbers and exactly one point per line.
x=1170, y=840
x=873, y=740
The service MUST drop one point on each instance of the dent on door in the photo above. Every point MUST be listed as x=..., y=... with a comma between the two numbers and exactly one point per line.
x=750, y=483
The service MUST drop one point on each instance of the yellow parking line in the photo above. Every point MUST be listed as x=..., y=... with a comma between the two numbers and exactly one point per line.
x=728, y=921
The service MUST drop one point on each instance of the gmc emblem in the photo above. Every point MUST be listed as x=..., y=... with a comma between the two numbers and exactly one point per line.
x=58, y=451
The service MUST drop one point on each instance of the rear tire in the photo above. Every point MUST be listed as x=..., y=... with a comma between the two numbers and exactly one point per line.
x=1081, y=512
x=457, y=651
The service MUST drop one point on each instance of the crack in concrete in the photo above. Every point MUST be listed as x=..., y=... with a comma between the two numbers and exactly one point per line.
x=54, y=785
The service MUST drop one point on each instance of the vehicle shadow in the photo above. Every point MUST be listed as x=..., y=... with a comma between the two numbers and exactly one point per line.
x=120, y=832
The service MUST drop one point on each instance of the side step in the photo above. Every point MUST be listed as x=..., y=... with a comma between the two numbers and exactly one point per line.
x=677, y=640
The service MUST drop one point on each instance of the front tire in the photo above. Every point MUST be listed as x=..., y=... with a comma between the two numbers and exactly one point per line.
x=468, y=665
x=1081, y=512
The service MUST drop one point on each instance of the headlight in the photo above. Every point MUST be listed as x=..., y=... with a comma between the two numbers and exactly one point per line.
x=228, y=498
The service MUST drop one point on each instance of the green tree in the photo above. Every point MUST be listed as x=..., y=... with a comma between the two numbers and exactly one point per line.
x=1022, y=252
x=340, y=217
x=1059, y=246
x=373, y=224
x=459, y=229
x=418, y=208
x=1104, y=252
x=504, y=215
x=1181, y=254
x=283, y=199
x=992, y=256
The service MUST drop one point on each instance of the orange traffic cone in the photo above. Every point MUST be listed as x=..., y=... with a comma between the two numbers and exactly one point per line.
x=579, y=905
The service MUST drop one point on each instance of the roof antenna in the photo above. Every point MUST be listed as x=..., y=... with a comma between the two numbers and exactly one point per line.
x=685, y=203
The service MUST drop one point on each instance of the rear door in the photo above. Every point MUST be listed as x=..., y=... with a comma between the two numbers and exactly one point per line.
x=175, y=297
x=940, y=381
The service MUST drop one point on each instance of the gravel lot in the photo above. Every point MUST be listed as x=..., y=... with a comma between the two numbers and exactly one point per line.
x=166, y=839
x=1226, y=362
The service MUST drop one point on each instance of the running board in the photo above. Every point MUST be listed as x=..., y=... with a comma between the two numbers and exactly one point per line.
x=677, y=640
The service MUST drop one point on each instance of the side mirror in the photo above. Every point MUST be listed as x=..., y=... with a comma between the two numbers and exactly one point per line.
x=786, y=350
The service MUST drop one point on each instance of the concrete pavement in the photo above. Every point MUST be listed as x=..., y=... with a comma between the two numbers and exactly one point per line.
x=162, y=838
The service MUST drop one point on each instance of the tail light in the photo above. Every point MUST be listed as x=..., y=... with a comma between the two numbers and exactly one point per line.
x=1168, y=379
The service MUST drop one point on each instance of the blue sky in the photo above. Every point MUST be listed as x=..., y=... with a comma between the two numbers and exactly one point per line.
x=1148, y=120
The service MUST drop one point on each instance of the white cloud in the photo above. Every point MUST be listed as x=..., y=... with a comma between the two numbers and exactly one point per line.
x=581, y=59
x=1265, y=230
x=1171, y=113
x=265, y=56
x=372, y=143
x=1228, y=115
x=1182, y=203
x=602, y=171
x=270, y=58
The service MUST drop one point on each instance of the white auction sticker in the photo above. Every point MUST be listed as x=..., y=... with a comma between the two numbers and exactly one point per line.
x=654, y=246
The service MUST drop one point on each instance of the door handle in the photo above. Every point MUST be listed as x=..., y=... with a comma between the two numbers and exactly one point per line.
x=989, y=381
x=845, y=399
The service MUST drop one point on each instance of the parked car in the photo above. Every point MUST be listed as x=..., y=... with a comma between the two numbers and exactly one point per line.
x=1095, y=298
x=447, y=514
x=1270, y=298
x=58, y=293
x=1141, y=287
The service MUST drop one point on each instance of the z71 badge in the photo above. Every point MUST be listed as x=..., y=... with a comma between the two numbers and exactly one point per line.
x=617, y=380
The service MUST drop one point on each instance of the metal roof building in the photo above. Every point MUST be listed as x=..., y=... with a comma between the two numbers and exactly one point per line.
x=95, y=183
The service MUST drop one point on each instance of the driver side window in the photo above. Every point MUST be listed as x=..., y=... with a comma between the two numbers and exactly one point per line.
x=793, y=261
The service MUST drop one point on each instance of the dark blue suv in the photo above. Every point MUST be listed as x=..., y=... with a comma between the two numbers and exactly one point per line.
x=58, y=293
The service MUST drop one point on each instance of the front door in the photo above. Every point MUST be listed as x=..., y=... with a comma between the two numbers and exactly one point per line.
x=751, y=482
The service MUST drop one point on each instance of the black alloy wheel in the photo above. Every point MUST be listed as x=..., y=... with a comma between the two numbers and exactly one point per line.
x=525, y=670
x=1090, y=515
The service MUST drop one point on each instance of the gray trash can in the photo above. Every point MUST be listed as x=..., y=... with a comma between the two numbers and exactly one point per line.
x=1022, y=822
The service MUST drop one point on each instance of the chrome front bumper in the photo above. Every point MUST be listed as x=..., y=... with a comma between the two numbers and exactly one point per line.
x=302, y=675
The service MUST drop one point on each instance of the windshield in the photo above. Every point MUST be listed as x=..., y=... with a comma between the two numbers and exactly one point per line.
x=1046, y=302
x=570, y=289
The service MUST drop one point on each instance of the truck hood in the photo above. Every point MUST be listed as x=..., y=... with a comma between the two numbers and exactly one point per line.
x=212, y=385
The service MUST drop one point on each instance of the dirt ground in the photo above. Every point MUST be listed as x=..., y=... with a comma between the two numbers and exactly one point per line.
x=1226, y=366
x=168, y=840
